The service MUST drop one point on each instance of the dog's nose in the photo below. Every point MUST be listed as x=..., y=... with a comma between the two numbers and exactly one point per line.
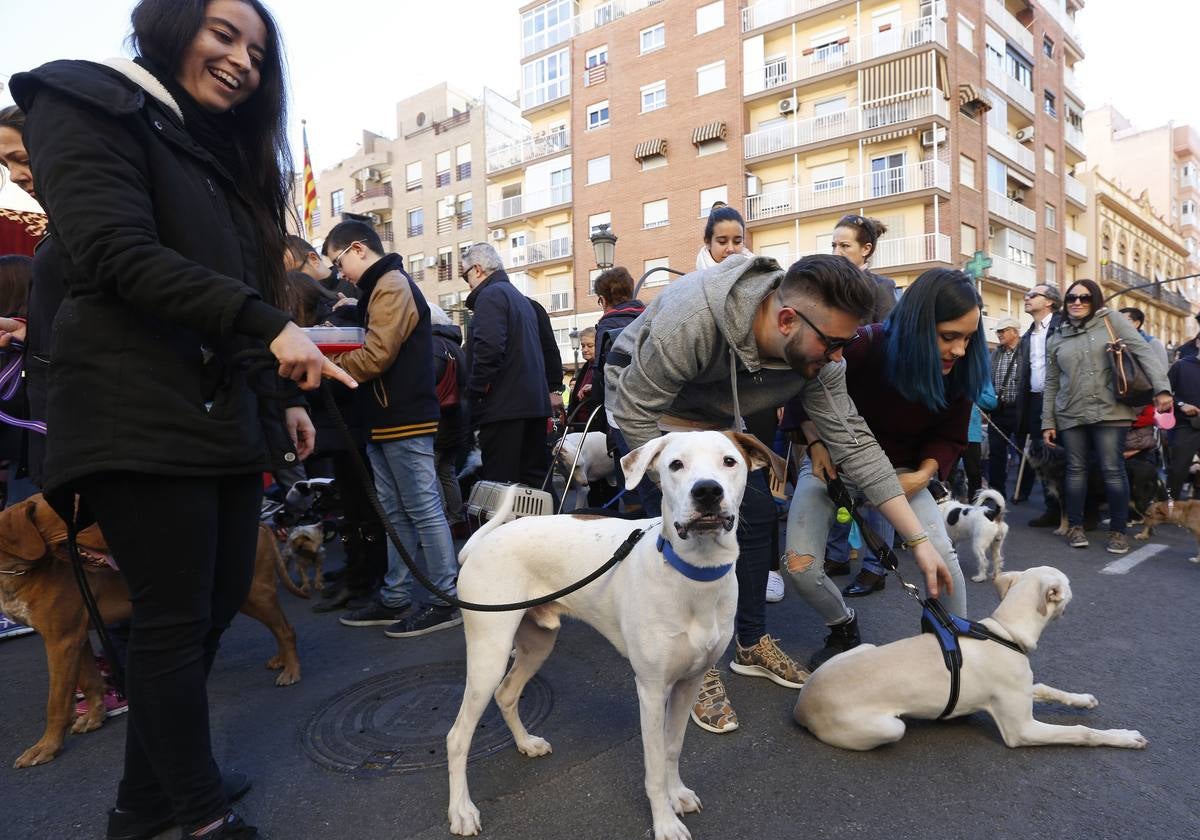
x=707, y=493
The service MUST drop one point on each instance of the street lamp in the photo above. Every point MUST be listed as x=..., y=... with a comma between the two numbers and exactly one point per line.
x=575, y=345
x=604, y=243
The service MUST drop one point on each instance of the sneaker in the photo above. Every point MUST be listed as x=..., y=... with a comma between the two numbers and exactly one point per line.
x=766, y=659
x=429, y=620
x=228, y=827
x=712, y=711
x=1076, y=538
x=115, y=704
x=376, y=614
x=149, y=823
x=1118, y=543
x=775, y=587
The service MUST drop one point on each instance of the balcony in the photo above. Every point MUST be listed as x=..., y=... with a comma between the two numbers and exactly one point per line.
x=769, y=11
x=871, y=186
x=1121, y=277
x=555, y=302
x=372, y=198
x=1016, y=91
x=914, y=33
x=1011, y=211
x=1071, y=81
x=537, y=252
x=1075, y=190
x=913, y=105
x=521, y=205
x=912, y=250
x=369, y=160
x=1012, y=272
x=1074, y=137
x=1010, y=148
x=1175, y=299
x=529, y=149
x=1076, y=243
x=1187, y=218
x=384, y=229
x=1188, y=180
x=1011, y=27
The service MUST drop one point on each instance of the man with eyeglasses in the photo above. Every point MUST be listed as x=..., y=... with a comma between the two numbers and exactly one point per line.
x=715, y=347
x=1043, y=303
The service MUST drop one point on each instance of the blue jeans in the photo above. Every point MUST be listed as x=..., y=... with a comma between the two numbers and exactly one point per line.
x=407, y=483
x=1109, y=443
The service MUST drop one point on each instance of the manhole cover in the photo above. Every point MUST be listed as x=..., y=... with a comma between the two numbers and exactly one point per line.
x=397, y=722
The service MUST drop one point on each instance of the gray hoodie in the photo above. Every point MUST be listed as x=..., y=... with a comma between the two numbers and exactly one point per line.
x=680, y=351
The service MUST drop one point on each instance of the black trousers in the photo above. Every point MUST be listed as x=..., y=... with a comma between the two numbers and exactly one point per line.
x=514, y=451
x=1184, y=445
x=999, y=453
x=363, y=536
x=186, y=548
x=973, y=466
x=757, y=519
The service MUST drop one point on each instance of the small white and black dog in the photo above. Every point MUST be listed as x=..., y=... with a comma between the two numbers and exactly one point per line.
x=979, y=525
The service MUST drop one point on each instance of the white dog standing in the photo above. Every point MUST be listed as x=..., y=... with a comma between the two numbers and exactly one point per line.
x=979, y=526
x=856, y=699
x=594, y=463
x=672, y=618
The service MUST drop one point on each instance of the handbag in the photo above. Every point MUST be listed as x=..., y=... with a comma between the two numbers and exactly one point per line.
x=1131, y=386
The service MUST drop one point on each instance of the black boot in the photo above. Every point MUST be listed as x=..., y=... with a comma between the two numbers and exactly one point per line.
x=842, y=637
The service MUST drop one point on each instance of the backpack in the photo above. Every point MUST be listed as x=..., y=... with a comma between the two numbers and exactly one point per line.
x=447, y=384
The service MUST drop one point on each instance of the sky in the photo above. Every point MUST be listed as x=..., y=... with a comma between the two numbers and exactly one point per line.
x=351, y=60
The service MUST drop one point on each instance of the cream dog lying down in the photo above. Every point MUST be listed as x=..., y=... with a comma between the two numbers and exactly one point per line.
x=857, y=698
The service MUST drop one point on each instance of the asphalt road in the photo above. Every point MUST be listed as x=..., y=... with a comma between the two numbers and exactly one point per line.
x=1127, y=638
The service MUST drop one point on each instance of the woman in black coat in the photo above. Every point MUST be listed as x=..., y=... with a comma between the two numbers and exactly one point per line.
x=166, y=200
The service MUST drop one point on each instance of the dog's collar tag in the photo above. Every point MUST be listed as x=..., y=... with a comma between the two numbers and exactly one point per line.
x=704, y=574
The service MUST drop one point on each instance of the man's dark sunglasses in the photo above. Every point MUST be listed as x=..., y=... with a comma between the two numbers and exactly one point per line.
x=832, y=345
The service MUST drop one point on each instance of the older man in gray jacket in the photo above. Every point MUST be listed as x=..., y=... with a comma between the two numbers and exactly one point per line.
x=741, y=337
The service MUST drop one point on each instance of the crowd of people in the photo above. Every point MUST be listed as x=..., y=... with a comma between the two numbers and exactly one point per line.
x=168, y=264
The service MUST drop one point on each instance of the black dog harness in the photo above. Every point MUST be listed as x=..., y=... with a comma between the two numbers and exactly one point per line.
x=946, y=628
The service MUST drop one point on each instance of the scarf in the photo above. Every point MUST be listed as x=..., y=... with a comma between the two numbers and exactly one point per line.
x=704, y=259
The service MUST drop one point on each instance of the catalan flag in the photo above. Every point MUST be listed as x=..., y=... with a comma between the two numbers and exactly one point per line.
x=310, y=187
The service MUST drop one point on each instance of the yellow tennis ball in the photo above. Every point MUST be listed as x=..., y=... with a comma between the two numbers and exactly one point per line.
x=843, y=515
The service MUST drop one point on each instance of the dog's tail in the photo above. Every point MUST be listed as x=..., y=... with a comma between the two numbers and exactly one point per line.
x=267, y=542
x=502, y=515
x=993, y=501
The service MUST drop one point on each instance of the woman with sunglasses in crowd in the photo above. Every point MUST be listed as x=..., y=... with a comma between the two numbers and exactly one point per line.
x=1080, y=410
x=913, y=379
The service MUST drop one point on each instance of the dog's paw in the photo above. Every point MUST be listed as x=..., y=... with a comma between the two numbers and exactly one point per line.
x=288, y=676
x=88, y=723
x=1194, y=559
x=1088, y=701
x=39, y=753
x=319, y=585
x=980, y=578
x=1142, y=535
x=684, y=800
x=671, y=829
x=1060, y=532
x=533, y=746
x=464, y=819
x=1130, y=739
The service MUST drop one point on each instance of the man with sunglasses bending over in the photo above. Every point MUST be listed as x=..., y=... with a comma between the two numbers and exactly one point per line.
x=742, y=337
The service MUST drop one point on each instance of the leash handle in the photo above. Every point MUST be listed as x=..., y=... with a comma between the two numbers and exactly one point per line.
x=883, y=552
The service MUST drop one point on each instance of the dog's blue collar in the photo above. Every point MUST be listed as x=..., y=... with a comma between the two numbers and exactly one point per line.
x=704, y=574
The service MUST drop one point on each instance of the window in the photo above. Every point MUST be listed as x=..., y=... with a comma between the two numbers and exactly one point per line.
x=448, y=302
x=1048, y=104
x=597, y=115
x=464, y=211
x=887, y=175
x=1048, y=159
x=1051, y=217
x=654, y=96
x=654, y=38
x=966, y=33
x=654, y=214
x=596, y=57
x=597, y=219
x=997, y=175
x=966, y=171
x=829, y=106
x=711, y=147
x=1047, y=47
x=547, y=25
x=710, y=77
x=710, y=17
x=445, y=263
x=599, y=169
x=967, y=243
x=462, y=160
x=337, y=200
x=593, y=276
x=1051, y=278
x=416, y=221
x=708, y=196
x=653, y=162
x=442, y=169
x=416, y=266
x=658, y=278
x=412, y=176
x=831, y=176
x=560, y=186
x=1020, y=69
x=546, y=79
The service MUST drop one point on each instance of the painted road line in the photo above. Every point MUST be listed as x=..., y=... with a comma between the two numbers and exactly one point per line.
x=1122, y=566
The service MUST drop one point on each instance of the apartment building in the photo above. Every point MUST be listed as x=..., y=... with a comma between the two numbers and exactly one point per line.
x=1136, y=247
x=424, y=190
x=958, y=124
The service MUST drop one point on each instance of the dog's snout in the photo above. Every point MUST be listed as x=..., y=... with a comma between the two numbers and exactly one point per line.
x=707, y=493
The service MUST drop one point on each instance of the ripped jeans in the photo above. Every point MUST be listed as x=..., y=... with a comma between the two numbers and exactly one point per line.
x=809, y=519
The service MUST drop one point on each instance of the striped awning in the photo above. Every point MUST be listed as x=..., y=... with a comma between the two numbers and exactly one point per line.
x=969, y=93
x=709, y=131
x=649, y=148
x=892, y=135
x=904, y=78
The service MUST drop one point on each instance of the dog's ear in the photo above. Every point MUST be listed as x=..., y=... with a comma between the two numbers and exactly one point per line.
x=19, y=535
x=638, y=462
x=1005, y=581
x=758, y=454
x=1052, y=596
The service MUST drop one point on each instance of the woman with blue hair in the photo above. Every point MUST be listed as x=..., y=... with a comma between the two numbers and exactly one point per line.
x=914, y=379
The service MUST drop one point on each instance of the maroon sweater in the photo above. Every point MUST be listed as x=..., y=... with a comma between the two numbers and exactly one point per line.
x=908, y=432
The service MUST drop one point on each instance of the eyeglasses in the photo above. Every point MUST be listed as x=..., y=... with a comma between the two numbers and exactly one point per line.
x=1086, y=297
x=337, y=261
x=466, y=270
x=1032, y=295
x=832, y=345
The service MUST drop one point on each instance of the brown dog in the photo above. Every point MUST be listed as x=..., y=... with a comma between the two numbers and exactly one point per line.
x=37, y=588
x=1184, y=514
x=305, y=549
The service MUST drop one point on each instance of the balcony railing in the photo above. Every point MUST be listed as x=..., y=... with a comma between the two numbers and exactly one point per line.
x=1014, y=272
x=1011, y=211
x=518, y=205
x=802, y=132
x=769, y=11
x=595, y=18
x=1175, y=299
x=537, y=252
x=554, y=302
x=855, y=190
x=1073, y=136
x=381, y=191
x=914, y=33
x=998, y=76
x=1075, y=190
x=1076, y=242
x=1010, y=25
x=912, y=250
x=1189, y=180
x=384, y=229
x=1010, y=148
x=531, y=148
